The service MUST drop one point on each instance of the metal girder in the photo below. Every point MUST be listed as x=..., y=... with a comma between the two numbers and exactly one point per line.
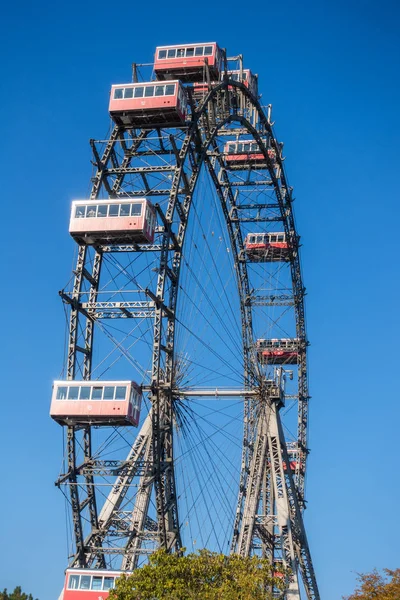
x=130, y=248
x=140, y=170
x=266, y=182
x=149, y=192
x=270, y=453
x=137, y=309
x=271, y=300
x=134, y=462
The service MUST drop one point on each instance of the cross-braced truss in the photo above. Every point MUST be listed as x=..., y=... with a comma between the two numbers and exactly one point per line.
x=141, y=302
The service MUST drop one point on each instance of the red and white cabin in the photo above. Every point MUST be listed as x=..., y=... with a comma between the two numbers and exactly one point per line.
x=294, y=466
x=113, y=221
x=267, y=247
x=278, y=351
x=187, y=62
x=89, y=584
x=278, y=568
x=148, y=105
x=247, y=78
x=295, y=458
x=96, y=402
x=247, y=152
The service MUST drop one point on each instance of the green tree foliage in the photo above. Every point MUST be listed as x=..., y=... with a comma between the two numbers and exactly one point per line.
x=202, y=575
x=17, y=594
x=378, y=586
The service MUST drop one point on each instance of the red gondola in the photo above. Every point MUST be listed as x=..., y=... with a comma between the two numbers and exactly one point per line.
x=96, y=402
x=245, y=153
x=278, y=568
x=148, y=105
x=278, y=351
x=245, y=76
x=113, y=221
x=187, y=62
x=88, y=584
x=267, y=247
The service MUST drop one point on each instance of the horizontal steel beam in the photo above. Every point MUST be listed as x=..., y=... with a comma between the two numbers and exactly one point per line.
x=267, y=182
x=271, y=300
x=216, y=393
x=145, y=170
x=130, y=248
x=210, y=393
x=151, y=192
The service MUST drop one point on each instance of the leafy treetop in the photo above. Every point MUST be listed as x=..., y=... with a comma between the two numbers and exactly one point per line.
x=203, y=575
x=377, y=586
x=17, y=594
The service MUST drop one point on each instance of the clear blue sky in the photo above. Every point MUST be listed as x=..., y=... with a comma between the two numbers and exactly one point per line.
x=331, y=72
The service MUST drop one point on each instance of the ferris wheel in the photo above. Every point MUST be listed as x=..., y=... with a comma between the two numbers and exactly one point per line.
x=185, y=398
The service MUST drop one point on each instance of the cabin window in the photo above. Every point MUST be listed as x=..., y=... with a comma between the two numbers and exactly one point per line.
x=118, y=93
x=108, y=393
x=73, y=393
x=159, y=90
x=208, y=50
x=113, y=210
x=85, y=393
x=162, y=54
x=80, y=212
x=171, y=53
x=136, y=210
x=85, y=582
x=97, y=393
x=102, y=210
x=182, y=98
x=128, y=93
x=273, y=238
x=170, y=89
x=97, y=583
x=108, y=583
x=91, y=212
x=139, y=91
x=244, y=75
x=61, y=393
x=180, y=52
x=124, y=210
x=149, y=91
x=73, y=582
x=199, y=51
x=120, y=392
x=189, y=52
x=281, y=238
x=152, y=223
x=252, y=239
x=260, y=239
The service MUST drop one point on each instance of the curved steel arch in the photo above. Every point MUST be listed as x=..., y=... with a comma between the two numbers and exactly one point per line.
x=154, y=444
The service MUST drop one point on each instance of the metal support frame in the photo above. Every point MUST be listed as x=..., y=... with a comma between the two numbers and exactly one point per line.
x=264, y=485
